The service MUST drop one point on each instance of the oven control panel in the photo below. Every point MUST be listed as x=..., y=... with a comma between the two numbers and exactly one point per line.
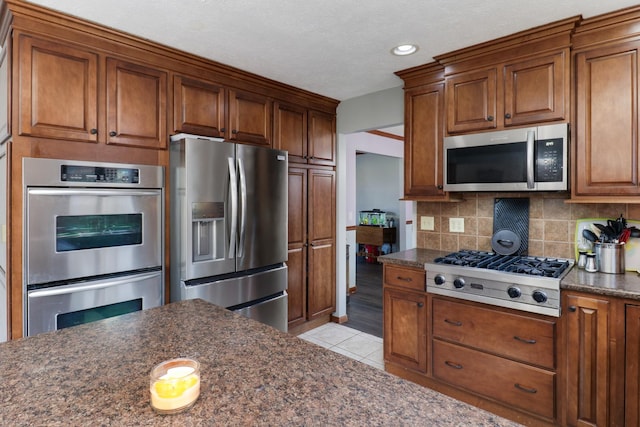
x=76, y=173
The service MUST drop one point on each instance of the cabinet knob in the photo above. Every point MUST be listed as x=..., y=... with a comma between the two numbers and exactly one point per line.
x=507, y=116
x=490, y=118
x=440, y=187
x=222, y=130
x=233, y=131
x=572, y=308
x=93, y=131
x=113, y=133
x=420, y=304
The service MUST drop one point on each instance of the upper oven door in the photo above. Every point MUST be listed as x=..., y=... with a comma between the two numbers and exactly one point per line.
x=75, y=233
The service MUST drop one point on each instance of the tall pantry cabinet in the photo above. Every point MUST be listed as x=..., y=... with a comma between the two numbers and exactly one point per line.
x=309, y=137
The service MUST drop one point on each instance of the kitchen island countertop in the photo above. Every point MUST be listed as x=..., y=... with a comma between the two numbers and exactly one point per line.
x=251, y=374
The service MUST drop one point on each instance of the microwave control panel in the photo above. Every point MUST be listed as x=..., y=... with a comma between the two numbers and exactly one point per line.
x=549, y=163
x=75, y=173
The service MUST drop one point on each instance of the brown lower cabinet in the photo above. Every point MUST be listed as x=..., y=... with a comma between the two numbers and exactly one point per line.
x=500, y=360
x=632, y=362
x=405, y=319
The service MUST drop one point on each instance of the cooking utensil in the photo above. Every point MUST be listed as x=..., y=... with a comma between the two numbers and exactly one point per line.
x=505, y=242
x=589, y=235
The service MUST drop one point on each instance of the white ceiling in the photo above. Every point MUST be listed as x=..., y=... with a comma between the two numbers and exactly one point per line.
x=337, y=48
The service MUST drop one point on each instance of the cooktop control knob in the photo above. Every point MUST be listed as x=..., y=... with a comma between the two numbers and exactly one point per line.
x=459, y=283
x=439, y=279
x=539, y=296
x=514, y=292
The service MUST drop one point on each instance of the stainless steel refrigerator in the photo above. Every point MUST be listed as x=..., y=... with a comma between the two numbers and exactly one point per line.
x=229, y=226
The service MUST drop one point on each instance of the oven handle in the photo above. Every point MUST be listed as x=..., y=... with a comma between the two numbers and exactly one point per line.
x=90, y=192
x=243, y=204
x=531, y=135
x=93, y=285
x=233, y=194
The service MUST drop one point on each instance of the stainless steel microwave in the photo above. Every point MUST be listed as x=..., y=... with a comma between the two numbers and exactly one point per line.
x=524, y=159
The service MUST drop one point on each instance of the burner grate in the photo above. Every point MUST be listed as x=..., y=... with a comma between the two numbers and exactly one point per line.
x=527, y=265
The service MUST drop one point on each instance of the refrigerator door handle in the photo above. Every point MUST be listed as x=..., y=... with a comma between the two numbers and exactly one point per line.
x=243, y=203
x=233, y=195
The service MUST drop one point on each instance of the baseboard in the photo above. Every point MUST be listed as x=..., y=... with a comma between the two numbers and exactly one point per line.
x=340, y=320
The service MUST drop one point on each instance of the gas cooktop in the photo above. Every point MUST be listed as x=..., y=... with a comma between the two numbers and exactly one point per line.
x=527, y=283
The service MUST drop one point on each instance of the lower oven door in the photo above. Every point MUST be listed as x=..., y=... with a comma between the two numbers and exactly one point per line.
x=62, y=306
x=78, y=232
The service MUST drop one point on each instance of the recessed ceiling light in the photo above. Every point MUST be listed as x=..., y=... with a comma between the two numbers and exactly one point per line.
x=404, y=49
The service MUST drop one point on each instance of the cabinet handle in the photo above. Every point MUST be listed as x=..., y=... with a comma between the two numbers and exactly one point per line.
x=507, y=116
x=420, y=304
x=490, y=118
x=453, y=322
x=453, y=365
x=222, y=130
x=93, y=131
x=524, y=340
x=440, y=187
x=404, y=279
x=233, y=131
x=572, y=308
x=525, y=389
x=113, y=133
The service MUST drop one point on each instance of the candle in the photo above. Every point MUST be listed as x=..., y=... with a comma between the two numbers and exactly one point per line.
x=174, y=385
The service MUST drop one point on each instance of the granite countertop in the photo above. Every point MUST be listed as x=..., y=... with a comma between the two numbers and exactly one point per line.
x=625, y=285
x=251, y=374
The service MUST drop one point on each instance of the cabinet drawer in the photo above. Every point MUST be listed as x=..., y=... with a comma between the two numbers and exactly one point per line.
x=522, y=386
x=516, y=336
x=405, y=277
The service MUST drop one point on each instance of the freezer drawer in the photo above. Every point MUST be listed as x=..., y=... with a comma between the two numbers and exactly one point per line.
x=272, y=312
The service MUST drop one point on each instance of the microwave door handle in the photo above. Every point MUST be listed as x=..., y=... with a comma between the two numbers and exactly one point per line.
x=531, y=136
x=243, y=205
x=233, y=196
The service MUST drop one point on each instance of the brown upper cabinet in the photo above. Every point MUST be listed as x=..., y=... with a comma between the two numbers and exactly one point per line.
x=209, y=109
x=308, y=135
x=516, y=80
x=60, y=98
x=606, y=148
x=521, y=92
x=424, y=133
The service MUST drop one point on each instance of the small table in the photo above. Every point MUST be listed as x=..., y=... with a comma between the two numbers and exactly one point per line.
x=374, y=236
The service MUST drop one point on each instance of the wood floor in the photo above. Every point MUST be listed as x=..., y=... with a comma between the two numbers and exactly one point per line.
x=364, y=308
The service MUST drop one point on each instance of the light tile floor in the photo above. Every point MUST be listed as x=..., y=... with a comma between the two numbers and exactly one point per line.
x=357, y=345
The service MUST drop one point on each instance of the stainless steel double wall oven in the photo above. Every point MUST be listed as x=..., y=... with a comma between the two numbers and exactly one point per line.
x=93, y=245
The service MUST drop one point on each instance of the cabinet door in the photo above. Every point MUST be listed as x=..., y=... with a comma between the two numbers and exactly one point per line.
x=536, y=90
x=136, y=105
x=297, y=235
x=322, y=204
x=424, y=125
x=321, y=237
x=198, y=107
x=322, y=278
x=290, y=131
x=405, y=329
x=471, y=101
x=588, y=360
x=606, y=129
x=58, y=93
x=5, y=99
x=297, y=285
x=322, y=138
x=632, y=374
x=249, y=118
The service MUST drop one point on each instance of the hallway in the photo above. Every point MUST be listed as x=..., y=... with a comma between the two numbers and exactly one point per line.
x=364, y=308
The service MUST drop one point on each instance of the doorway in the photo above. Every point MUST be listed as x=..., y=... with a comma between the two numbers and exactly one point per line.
x=378, y=184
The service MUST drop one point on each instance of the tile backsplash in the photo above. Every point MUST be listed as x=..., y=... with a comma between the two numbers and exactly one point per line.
x=552, y=222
